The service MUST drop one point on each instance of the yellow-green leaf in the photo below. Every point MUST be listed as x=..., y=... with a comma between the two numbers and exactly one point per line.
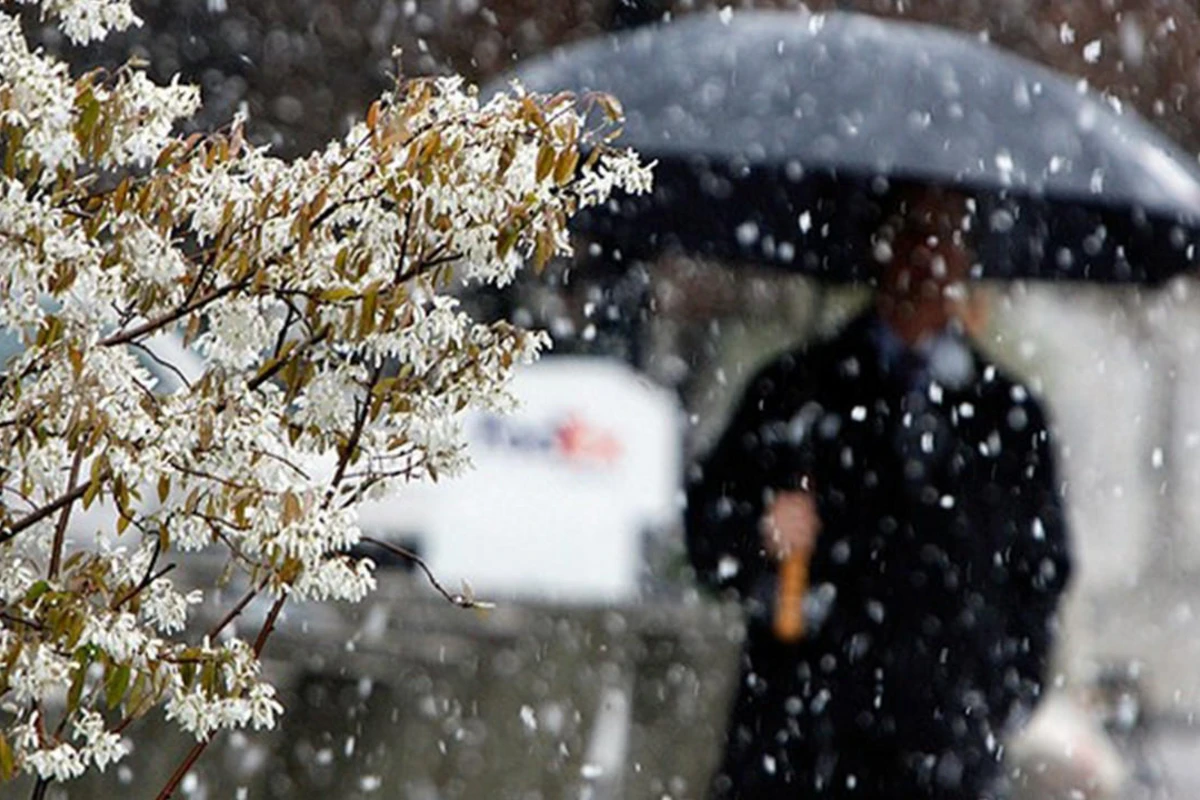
x=543, y=250
x=506, y=239
x=366, y=322
x=93, y=490
x=564, y=168
x=37, y=590
x=115, y=685
x=545, y=162
x=7, y=764
x=338, y=294
x=76, y=690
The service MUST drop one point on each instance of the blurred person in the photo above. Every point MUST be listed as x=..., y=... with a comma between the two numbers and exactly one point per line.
x=914, y=483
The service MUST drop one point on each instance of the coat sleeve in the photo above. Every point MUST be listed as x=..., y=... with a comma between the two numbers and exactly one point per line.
x=1040, y=566
x=726, y=490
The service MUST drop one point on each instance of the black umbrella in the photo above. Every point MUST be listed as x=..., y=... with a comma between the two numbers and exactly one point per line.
x=777, y=133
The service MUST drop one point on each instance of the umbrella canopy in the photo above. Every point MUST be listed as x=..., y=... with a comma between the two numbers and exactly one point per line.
x=777, y=133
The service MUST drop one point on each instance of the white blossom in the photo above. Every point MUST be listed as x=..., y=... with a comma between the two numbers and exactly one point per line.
x=318, y=357
x=86, y=21
x=336, y=579
x=167, y=609
x=16, y=578
x=61, y=762
x=40, y=673
x=100, y=746
x=121, y=636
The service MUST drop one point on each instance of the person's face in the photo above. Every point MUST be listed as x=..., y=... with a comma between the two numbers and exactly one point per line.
x=926, y=276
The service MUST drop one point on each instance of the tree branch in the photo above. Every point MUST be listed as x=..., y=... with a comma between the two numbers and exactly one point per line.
x=266, y=375
x=124, y=337
x=60, y=530
x=182, y=770
x=15, y=620
x=268, y=625
x=360, y=422
x=35, y=517
x=462, y=601
x=237, y=609
x=198, y=749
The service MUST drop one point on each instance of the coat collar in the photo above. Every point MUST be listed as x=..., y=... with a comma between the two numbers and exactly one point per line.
x=874, y=349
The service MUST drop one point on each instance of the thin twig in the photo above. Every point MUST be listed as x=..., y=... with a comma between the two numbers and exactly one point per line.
x=369, y=480
x=226, y=482
x=14, y=619
x=292, y=314
x=163, y=363
x=195, y=287
x=280, y=363
x=462, y=601
x=146, y=583
x=285, y=461
x=149, y=578
x=408, y=215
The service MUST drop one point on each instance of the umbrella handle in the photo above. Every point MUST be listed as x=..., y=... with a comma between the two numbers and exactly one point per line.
x=789, y=599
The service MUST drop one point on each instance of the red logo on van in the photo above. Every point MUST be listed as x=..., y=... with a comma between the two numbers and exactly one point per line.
x=573, y=439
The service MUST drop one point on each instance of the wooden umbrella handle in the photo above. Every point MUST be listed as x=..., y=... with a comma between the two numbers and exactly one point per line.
x=789, y=600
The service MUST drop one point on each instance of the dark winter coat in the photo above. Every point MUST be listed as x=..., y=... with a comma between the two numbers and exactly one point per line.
x=934, y=581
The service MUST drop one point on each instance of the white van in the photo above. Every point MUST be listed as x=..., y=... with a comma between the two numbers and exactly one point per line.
x=563, y=493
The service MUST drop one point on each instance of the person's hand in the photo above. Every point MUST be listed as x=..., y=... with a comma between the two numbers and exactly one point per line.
x=790, y=524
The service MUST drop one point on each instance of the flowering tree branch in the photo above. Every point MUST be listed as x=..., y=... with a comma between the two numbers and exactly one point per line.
x=222, y=350
x=464, y=600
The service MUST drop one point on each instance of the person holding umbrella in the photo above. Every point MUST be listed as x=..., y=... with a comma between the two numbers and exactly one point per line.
x=915, y=483
x=885, y=501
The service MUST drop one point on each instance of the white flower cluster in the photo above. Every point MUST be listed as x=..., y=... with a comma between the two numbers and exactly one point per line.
x=86, y=21
x=167, y=609
x=93, y=744
x=40, y=672
x=43, y=102
x=300, y=310
x=244, y=698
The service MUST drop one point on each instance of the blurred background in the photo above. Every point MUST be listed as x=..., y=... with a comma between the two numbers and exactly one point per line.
x=604, y=672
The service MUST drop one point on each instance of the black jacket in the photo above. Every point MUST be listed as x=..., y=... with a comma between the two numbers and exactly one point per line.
x=935, y=578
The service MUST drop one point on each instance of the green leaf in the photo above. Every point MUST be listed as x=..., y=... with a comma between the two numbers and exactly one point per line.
x=208, y=677
x=36, y=591
x=87, y=120
x=506, y=238
x=76, y=690
x=187, y=673
x=115, y=685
